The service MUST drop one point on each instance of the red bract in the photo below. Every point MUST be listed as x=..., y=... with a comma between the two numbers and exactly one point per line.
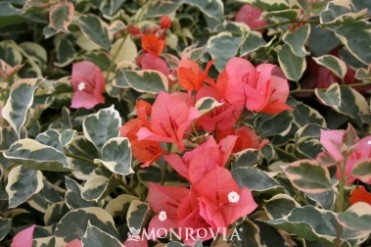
x=152, y=44
x=260, y=89
x=23, y=238
x=150, y=61
x=190, y=75
x=164, y=201
x=74, y=243
x=170, y=118
x=360, y=195
x=144, y=151
x=165, y=22
x=196, y=163
x=88, y=83
x=251, y=16
x=221, y=201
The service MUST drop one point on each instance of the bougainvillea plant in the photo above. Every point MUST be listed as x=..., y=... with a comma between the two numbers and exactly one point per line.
x=185, y=123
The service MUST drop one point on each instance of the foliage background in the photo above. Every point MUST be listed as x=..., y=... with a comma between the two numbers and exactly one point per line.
x=53, y=168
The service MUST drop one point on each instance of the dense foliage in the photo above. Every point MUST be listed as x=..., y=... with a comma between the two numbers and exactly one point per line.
x=185, y=123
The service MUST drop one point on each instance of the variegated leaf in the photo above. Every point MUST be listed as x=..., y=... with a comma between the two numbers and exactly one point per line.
x=5, y=226
x=297, y=40
x=73, y=196
x=74, y=223
x=362, y=170
x=145, y=81
x=17, y=106
x=279, y=206
x=95, y=187
x=116, y=156
x=119, y=205
x=61, y=15
x=223, y=47
x=35, y=155
x=110, y=7
x=337, y=66
x=103, y=125
x=55, y=212
x=95, y=30
x=292, y=66
x=96, y=237
x=22, y=184
x=207, y=104
x=253, y=42
x=308, y=176
x=357, y=217
x=137, y=214
x=213, y=10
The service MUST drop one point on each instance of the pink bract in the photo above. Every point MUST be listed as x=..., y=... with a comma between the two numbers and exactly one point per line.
x=251, y=16
x=88, y=84
x=23, y=238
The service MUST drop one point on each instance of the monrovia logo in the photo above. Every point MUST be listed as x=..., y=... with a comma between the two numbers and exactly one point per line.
x=185, y=233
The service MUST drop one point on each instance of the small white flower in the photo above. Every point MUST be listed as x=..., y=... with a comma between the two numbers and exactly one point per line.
x=162, y=216
x=81, y=86
x=233, y=197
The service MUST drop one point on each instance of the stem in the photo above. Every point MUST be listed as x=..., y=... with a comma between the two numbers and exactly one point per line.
x=312, y=90
x=78, y=157
x=340, y=202
x=273, y=25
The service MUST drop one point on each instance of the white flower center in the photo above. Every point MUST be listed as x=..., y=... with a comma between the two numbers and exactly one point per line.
x=162, y=216
x=81, y=86
x=233, y=197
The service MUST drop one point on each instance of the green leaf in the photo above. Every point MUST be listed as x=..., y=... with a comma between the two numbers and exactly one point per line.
x=22, y=184
x=95, y=30
x=146, y=81
x=310, y=148
x=213, y=11
x=137, y=214
x=310, y=223
x=110, y=7
x=10, y=53
x=61, y=15
x=344, y=100
x=362, y=170
x=292, y=66
x=324, y=200
x=245, y=158
x=81, y=154
x=65, y=51
x=289, y=14
x=98, y=238
x=206, y=104
x=270, y=5
x=223, y=47
x=17, y=106
x=272, y=125
x=330, y=96
x=119, y=205
x=356, y=37
x=357, y=217
x=73, y=196
x=246, y=232
x=35, y=155
x=297, y=40
x=51, y=137
x=279, y=206
x=337, y=66
x=327, y=37
x=95, y=187
x=116, y=156
x=55, y=212
x=254, y=179
x=308, y=176
x=103, y=125
x=338, y=12
x=5, y=226
x=75, y=222
x=161, y=8
x=252, y=42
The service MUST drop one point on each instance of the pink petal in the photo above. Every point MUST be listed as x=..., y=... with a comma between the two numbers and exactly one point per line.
x=74, y=243
x=150, y=61
x=23, y=238
x=178, y=164
x=85, y=100
x=83, y=71
x=332, y=140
